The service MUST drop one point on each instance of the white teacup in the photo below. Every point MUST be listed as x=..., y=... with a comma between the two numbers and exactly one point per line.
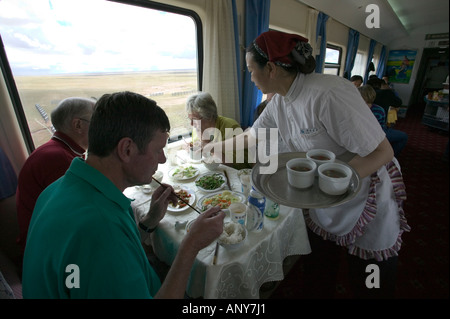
x=320, y=156
x=301, y=172
x=237, y=212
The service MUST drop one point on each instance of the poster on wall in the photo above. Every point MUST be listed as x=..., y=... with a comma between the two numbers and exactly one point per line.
x=400, y=64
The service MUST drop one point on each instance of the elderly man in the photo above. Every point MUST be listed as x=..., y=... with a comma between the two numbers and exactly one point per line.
x=83, y=240
x=51, y=160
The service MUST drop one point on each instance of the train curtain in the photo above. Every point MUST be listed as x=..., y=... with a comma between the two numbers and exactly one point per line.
x=220, y=72
x=352, y=49
x=382, y=63
x=369, y=58
x=321, y=39
x=256, y=22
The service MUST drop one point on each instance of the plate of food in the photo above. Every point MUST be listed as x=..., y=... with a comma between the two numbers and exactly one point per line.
x=210, y=182
x=183, y=173
x=221, y=198
x=186, y=194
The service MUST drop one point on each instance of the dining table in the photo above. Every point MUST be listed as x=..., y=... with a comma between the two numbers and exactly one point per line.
x=236, y=273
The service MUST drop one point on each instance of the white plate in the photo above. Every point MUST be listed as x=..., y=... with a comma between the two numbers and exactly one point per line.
x=181, y=169
x=240, y=197
x=191, y=201
x=211, y=190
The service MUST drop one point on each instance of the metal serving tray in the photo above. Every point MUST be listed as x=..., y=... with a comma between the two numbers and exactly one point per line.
x=276, y=187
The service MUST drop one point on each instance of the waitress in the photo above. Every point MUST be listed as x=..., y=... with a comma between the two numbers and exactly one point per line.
x=313, y=111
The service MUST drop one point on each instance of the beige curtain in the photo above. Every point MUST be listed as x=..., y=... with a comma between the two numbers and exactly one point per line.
x=311, y=30
x=220, y=70
x=11, y=139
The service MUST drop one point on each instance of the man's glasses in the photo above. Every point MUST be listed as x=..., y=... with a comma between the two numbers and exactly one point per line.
x=84, y=120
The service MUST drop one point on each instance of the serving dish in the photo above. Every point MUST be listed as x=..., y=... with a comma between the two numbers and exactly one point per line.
x=210, y=182
x=181, y=206
x=222, y=198
x=183, y=173
x=276, y=187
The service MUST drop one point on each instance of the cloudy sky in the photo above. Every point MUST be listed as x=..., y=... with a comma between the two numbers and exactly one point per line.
x=79, y=36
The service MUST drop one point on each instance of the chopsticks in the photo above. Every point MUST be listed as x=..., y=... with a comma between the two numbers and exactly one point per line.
x=228, y=180
x=178, y=196
x=216, y=253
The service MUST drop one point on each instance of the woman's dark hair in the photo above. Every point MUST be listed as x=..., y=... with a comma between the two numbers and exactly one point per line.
x=124, y=114
x=308, y=67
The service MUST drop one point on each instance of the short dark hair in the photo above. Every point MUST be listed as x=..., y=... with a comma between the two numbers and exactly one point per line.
x=124, y=114
x=375, y=82
x=356, y=78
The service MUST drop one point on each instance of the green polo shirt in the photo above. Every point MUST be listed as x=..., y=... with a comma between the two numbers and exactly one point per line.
x=83, y=242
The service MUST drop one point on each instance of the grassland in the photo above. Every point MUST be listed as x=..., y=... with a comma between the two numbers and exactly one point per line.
x=169, y=89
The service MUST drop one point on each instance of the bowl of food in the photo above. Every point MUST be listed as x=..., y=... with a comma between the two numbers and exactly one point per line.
x=210, y=162
x=210, y=182
x=233, y=235
x=301, y=172
x=320, y=156
x=334, y=178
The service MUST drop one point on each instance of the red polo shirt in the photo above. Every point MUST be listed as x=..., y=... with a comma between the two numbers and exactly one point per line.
x=44, y=166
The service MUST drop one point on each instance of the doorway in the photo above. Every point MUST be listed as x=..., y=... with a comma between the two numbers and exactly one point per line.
x=431, y=59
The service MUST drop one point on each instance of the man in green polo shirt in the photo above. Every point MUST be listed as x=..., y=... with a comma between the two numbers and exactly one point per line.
x=83, y=241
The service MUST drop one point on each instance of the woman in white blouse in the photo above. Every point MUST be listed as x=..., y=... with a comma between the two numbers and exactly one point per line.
x=311, y=111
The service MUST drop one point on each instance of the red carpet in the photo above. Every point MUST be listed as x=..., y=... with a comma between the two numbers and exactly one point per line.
x=423, y=271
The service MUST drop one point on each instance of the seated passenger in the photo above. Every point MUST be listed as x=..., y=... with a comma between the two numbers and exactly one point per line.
x=208, y=126
x=51, y=160
x=357, y=80
x=385, y=95
x=83, y=240
x=397, y=138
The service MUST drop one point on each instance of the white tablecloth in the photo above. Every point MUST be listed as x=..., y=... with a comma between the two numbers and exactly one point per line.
x=237, y=274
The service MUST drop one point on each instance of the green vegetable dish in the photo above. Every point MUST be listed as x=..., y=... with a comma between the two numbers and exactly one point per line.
x=210, y=182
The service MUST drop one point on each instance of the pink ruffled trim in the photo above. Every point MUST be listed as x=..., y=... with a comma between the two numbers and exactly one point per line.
x=367, y=216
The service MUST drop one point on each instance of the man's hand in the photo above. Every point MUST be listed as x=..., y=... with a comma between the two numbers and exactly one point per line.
x=161, y=198
x=207, y=227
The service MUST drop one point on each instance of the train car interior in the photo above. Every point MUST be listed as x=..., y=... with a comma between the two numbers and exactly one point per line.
x=170, y=50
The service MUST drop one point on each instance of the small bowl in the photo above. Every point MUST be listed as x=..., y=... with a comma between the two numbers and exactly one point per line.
x=233, y=236
x=301, y=172
x=321, y=156
x=334, y=178
x=146, y=189
x=158, y=176
x=210, y=163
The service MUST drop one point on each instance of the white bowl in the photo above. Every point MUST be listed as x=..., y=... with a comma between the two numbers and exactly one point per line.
x=210, y=163
x=333, y=185
x=233, y=236
x=301, y=172
x=321, y=156
x=216, y=176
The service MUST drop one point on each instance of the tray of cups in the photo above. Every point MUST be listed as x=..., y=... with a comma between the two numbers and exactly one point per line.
x=324, y=189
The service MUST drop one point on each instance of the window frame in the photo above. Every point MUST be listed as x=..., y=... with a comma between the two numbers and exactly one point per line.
x=14, y=93
x=334, y=65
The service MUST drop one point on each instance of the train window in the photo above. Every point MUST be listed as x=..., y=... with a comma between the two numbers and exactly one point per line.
x=359, y=66
x=62, y=48
x=332, y=60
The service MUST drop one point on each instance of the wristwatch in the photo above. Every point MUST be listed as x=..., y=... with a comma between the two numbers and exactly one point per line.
x=146, y=229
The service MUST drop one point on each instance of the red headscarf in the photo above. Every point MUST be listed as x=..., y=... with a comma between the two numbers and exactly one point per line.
x=276, y=46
